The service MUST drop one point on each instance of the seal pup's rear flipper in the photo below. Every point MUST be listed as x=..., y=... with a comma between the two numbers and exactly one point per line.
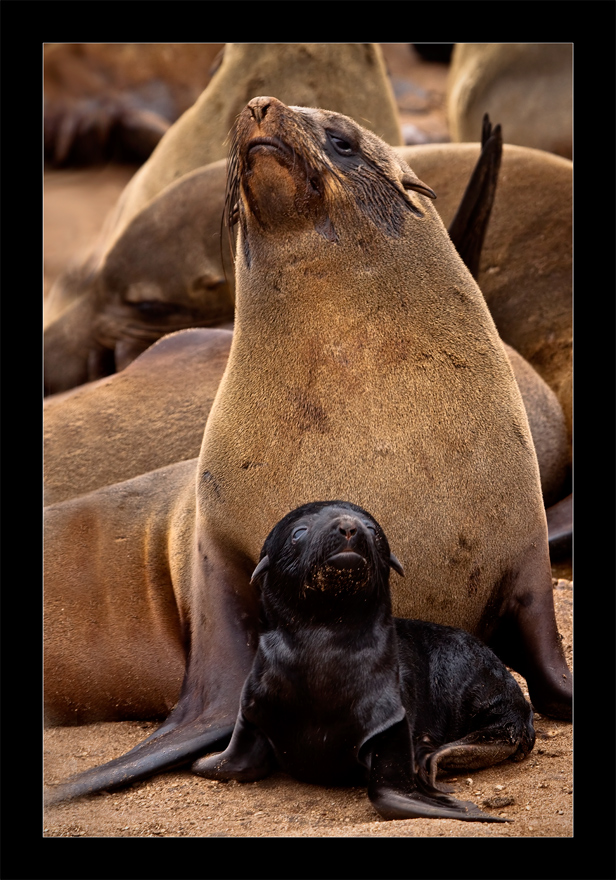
x=468, y=228
x=160, y=751
x=248, y=757
x=397, y=792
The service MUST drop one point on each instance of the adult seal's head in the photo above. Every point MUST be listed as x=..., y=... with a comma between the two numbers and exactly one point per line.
x=298, y=171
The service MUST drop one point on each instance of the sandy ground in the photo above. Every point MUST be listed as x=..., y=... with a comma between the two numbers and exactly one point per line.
x=536, y=794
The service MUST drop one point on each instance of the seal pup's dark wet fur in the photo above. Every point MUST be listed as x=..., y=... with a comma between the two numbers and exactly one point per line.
x=341, y=692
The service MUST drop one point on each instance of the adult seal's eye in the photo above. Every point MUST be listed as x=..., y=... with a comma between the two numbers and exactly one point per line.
x=298, y=533
x=154, y=309
x=341, y=145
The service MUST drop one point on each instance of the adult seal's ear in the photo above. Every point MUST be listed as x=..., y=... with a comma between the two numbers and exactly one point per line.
x=410, y=181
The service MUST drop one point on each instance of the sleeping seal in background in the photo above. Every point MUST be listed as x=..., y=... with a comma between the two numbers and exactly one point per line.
x=364, y=364
x=340, y=691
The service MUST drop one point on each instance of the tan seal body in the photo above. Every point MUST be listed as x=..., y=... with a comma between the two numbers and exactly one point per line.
x=364, y=358
x=528, y=87
x=149, y=415
x=115, y=623
x=526, y=265
x=165, y=273
x=364, y=366
x=313, y=74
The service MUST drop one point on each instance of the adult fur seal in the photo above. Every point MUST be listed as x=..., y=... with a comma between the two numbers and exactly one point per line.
x=364, y=364
x=340, y=691
x=165, y=273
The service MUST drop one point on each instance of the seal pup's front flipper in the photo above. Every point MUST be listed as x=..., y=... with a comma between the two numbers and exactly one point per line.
x=397, y=792
x=248, y=757
x=468, y=228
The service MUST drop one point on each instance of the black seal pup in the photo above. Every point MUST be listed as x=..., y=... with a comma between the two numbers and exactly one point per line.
x=340, y=690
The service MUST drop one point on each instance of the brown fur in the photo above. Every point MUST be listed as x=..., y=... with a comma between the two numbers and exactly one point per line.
x=527, y=87
x=526, y=270
x=403, y=402
x=153, y=413
x=117, y=100
x=149, y=415
x=114, y=621
x=163, y=274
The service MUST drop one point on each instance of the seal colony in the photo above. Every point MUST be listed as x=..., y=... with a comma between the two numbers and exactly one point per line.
x=364, y=365
x=340, y=690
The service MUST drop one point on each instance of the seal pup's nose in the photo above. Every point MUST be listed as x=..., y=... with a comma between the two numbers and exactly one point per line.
x=258, y=107
x=347, y=526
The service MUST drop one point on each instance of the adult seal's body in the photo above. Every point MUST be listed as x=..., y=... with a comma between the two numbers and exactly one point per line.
x=341, y=692
x=526, y=264
x=365, y=365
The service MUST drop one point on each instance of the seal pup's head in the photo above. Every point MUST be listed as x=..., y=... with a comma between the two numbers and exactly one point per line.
x=293, y=167
x=325, y=554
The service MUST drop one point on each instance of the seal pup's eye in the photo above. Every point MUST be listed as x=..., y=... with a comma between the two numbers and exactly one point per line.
x=298, y=533
x=341, y=144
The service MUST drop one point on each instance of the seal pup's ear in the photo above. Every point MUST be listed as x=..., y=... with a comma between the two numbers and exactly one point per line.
x=410, y=181
x=261, y=567
x=395, y=564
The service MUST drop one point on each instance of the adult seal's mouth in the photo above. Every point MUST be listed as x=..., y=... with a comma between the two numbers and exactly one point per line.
x=268, y=145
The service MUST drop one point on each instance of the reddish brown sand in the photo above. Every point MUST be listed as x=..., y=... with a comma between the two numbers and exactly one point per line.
x=536, y=794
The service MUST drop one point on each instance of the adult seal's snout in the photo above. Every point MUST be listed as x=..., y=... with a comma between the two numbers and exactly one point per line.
x=258, y=107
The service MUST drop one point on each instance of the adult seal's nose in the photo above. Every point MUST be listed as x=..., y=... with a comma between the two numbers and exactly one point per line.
x=258, y=107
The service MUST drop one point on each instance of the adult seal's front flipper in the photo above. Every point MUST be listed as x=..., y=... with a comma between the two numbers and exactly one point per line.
x=163, y=750
x=468, y=228
x=397, y=792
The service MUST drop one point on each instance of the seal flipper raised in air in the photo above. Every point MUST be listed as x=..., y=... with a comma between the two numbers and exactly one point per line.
x=468, y=228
